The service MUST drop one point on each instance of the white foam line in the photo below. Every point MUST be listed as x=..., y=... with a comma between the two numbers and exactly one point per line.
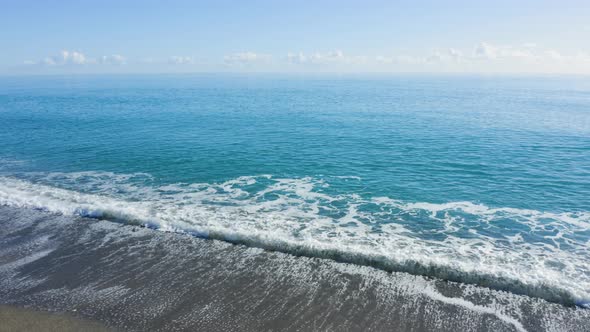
x=435, y=295
x=291, y=221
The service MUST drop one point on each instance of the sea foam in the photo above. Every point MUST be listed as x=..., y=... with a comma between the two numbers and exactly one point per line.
x=540, y=254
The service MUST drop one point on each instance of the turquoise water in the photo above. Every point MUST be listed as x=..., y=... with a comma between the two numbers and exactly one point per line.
x=483, y=180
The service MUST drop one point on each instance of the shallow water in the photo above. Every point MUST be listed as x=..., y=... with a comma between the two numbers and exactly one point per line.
x=136, y=279
x=482, y=180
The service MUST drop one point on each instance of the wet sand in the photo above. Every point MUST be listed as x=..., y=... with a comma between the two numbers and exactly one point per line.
x=14, y=319
x=137, y=279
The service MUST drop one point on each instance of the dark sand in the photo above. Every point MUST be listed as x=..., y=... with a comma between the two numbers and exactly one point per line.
x=138, y=279
x=14, y=319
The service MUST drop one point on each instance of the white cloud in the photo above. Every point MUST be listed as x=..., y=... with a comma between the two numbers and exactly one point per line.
x=455, y=55
x=329, y=57
x=554, y=55
x=485, y=50
x=435, y=57
x=528, y=57
x=114, y=59
x=450, y=55
x=488, y=51
x=482, y=57
x=296, y=58
x=181, y=60
x=334, y=57
x=66, y=58
x=243, y=58
x=76, y=58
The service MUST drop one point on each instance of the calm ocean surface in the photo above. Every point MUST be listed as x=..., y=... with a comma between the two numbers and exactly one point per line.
x=482, y=180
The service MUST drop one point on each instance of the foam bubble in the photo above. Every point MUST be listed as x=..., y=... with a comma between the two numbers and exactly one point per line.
x=537, y=253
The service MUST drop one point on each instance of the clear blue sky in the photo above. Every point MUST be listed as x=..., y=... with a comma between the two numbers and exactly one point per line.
x=294, y=36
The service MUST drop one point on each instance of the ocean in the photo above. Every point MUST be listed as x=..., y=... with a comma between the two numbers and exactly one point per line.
x=479, y=180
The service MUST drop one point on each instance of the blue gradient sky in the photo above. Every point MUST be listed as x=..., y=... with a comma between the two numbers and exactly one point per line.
x=40, y=37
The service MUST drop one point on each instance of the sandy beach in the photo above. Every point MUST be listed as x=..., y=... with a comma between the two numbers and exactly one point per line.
x=16, y=319
x=135, y=279
x=20, y=319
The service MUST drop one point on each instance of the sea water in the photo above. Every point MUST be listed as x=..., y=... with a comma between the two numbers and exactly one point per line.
x=477, y=179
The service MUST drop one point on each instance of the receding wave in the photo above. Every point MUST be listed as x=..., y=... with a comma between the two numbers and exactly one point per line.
x=529, y=252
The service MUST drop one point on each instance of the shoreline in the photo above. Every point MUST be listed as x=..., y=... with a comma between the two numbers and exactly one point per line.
x=492, y=264
x=133, y=278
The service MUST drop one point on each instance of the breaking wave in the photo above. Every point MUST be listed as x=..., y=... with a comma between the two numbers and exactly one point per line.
x=535, y=253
